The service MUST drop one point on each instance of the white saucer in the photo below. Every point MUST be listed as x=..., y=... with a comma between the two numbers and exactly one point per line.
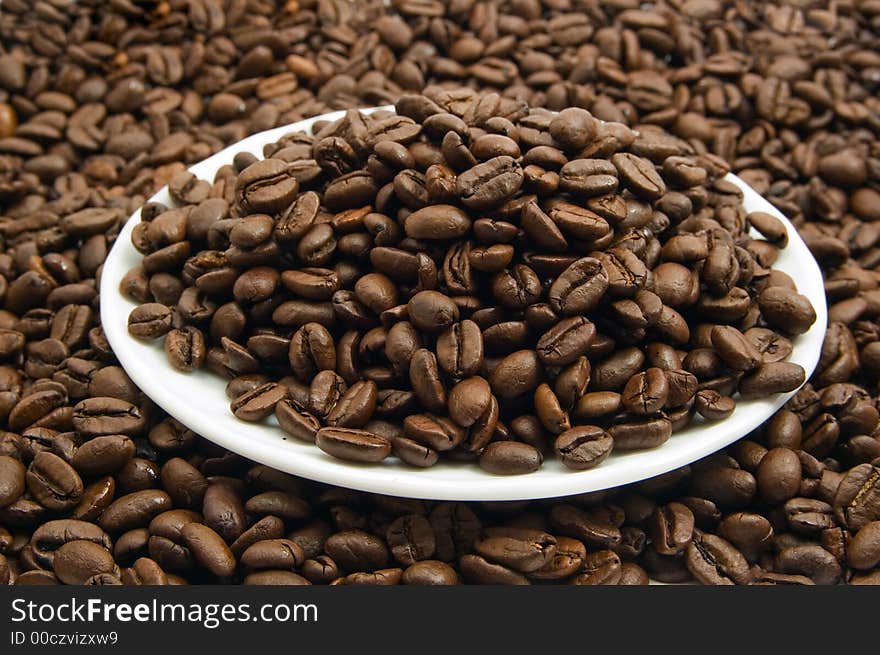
x=199, y=400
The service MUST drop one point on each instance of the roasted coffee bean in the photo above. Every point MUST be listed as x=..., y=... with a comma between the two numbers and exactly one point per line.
x=733, y=347
x=516, y=374
x=12, y=480
x=323, y=394
x=589, y=177
x=311, y=350
x=776, y=377
x=185, y=348
x=429, y=572
x=77, y=561
x=671, y=528
x=583, y=447
x=477, y=570
x=510, y=458
x=712, y=560
x=639, y=175
x=712, y=405
x=186, y=485
x=411, y=539
x=520, y=549
x=355, y=407
x=750, y=533
x=266, y=186
x=223, y=511
x=779, y=475
x=490, y=183
x=863, y=550
x=600, y=568
x=98, y=416
x=566, y=341
x=209, y=549
x=436, y=432
x=259, y=403
x=296, y=423
x=353, y=444
x=646, y=393
x=134, y=510
x=786, y=310
x=103, y=455
x=810, y=560
x=857, y=498
x=469, y=400
x=53, y=482
x=356, y=550
x=460, y=349
x=641, y=433
x=278, y=554
x=726, y=487
x=437, y=222
x=579, y=288
x=432, y=312
x=149, y=321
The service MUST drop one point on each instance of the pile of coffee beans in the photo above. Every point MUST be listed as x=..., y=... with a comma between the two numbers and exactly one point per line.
x=471, y=277
x=103, y=103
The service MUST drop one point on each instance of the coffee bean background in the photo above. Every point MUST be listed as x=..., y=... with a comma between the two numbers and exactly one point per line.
x=102, y=103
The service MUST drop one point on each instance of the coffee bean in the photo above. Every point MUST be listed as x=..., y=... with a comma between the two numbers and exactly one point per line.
x=432, y=311
x=639, y=175
x=429, y=572
x=53, y=482
x=786, y=310
x=265, y=186
x=520, y=549
x=223, y=511
x=273, y=554
x=209, y=549
x=646, y=393
x=296, y=423
x=356, y=550
x=353, y=444
x=777, y=377
x=134, y=510
x=477, y=570
x=712, y=560
x=733, y=347
x=857, y=498
x=77, y=561
x=437, y=222
x=510, y=458
x=469, y=400
x=863, y=551
x=566, y=341
x=185, y=348
x=812, y=561
x=490, y=183
x=516, y=374
x=583, y=447
x=411, y=539
x=779, y=475
x=103, y=455
x=98, y=416
x=460, y=349
x=259, y=403
x=436, y=432
x=12, y=480
x=638, y=434
x=671, y=528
